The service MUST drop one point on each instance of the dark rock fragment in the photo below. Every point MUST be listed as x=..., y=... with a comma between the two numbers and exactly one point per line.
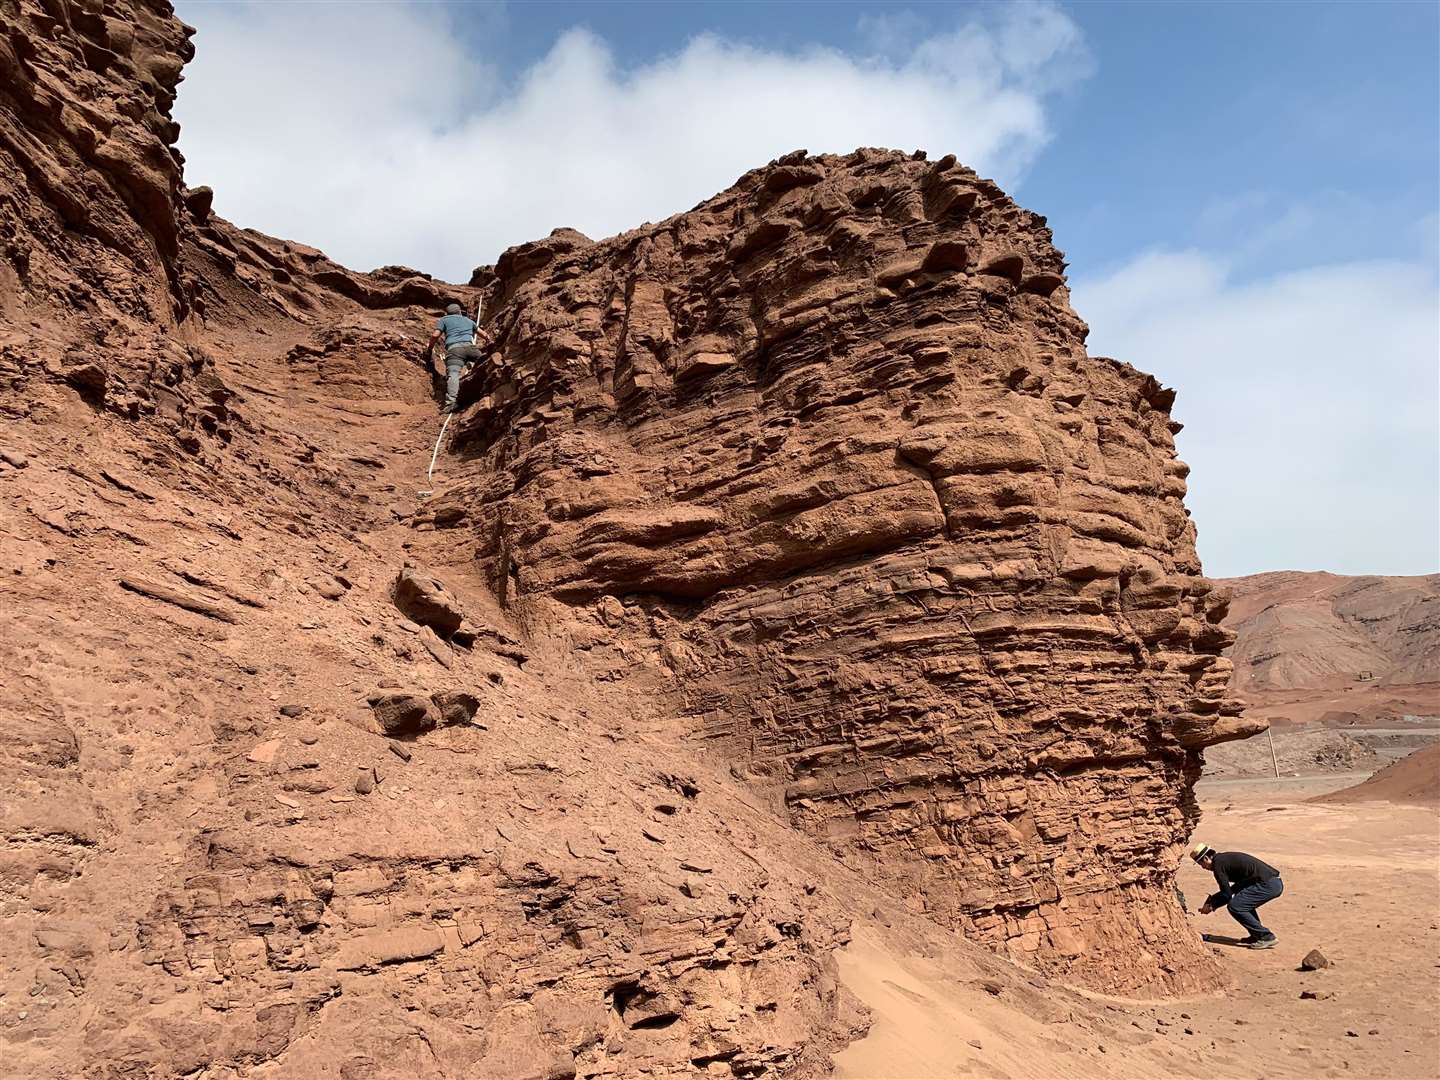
x=425, y=601
x=404, y=714
x=1314, y=960
x=456, y=706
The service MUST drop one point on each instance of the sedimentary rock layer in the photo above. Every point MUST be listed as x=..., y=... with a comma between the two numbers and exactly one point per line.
x=829, y=447
x=114, y=277
x=213, y=856
x=804, y=508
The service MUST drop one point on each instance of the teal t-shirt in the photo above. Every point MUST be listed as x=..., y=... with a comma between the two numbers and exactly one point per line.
x=458, y=330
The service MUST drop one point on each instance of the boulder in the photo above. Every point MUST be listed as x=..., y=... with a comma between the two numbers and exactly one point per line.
x=456, y=706
x=1314, y=960
x=327, y=587
x=199, y=201
x=424, y=600
x=404, y=714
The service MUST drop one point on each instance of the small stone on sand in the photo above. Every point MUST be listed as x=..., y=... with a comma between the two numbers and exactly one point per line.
x=1314, y=960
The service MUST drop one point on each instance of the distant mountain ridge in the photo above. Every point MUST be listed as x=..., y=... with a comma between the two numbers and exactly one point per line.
x=1312, y=644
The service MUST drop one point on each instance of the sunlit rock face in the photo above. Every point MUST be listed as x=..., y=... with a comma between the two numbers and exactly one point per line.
x=823, y=466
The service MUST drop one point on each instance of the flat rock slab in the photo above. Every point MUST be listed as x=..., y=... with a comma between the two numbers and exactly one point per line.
x=436, y=648
x=389, y=947
x=154, y=590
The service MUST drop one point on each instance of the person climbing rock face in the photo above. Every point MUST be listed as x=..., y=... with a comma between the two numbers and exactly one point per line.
x=1245, y=883
x=460, y=350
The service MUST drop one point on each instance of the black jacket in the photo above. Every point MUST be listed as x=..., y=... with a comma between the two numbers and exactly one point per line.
x=1234, y=870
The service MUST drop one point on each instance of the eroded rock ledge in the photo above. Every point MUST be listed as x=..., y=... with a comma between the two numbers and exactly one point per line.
x=816, y=477
x=827, y=452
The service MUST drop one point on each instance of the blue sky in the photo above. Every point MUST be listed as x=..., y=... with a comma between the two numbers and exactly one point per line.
x=1198, y=123
x=1247, y=193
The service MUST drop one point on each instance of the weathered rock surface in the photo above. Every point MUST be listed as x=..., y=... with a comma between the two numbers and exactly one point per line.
x=425, y=600
x=413, y=714
x=1314, y=960
x=829, y=452
x=200, y=424
x=803, y=508
x=404, y=714
x=99, y=232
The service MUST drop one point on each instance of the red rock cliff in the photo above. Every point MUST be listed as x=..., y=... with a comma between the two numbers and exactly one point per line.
x=109, y=268
x=803, y=508
x=827, y=458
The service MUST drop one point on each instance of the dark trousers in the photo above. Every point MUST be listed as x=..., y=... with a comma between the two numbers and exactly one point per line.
x=1243, y=903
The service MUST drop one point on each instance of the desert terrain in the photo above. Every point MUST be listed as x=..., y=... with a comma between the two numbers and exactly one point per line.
x=1344, y=669
x=1344, y=651
x=1362, y=885
x=796, y=658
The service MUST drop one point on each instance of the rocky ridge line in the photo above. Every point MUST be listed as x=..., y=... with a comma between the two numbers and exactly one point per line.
x=825, y=459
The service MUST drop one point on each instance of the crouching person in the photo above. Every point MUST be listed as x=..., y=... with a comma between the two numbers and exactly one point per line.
x=1245, y=883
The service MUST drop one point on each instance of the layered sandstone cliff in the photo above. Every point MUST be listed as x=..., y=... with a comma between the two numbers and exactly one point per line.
x=112, y=270
x=828, y=453
x=805, y=508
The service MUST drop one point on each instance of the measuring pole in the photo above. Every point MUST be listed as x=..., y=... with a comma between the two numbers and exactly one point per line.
x=1273, y=763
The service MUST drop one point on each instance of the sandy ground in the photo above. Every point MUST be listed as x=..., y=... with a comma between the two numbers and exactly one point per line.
x=1362, y=883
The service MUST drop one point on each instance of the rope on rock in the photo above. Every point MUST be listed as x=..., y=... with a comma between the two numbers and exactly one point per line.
x=439, y=439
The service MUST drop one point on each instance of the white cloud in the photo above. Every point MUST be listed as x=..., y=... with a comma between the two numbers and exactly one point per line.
x=1309, y=399
x=382, y=137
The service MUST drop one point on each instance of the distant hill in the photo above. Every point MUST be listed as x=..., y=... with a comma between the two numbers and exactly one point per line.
x=1318, y=646
x=1413, y=779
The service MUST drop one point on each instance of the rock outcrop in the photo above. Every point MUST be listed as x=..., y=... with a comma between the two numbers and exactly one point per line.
x=114, y=278
x=829, y=451
x=805, y=508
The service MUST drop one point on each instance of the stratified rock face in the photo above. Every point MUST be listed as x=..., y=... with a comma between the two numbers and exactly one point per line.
x=883, y=530
x=90, y=183
x=176, y=392
x=114, y=279
x=819, y=468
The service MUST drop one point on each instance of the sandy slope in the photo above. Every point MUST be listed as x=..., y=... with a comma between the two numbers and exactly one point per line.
x=1361, y=885
x=1413, y=779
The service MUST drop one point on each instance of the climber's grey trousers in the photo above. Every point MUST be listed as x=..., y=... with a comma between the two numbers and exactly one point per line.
x=456, y=357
